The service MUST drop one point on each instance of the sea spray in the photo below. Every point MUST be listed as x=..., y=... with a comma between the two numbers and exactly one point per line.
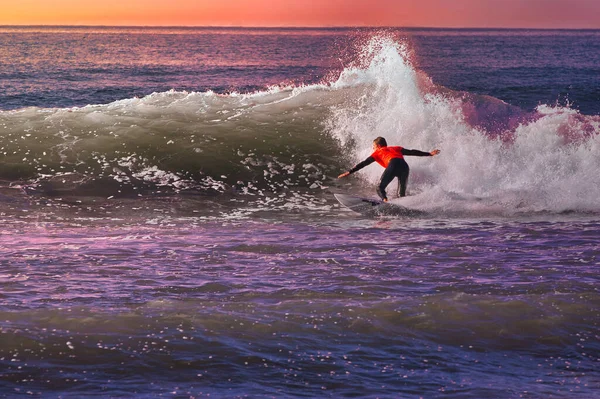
x=543, y=163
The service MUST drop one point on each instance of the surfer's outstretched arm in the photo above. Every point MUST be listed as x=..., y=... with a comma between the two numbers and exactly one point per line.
x=418, y=153
x=358, y=167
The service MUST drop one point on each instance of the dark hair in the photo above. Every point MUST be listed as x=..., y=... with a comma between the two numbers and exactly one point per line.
x=380, y=141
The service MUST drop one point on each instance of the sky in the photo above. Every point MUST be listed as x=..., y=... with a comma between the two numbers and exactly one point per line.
x=402, y=13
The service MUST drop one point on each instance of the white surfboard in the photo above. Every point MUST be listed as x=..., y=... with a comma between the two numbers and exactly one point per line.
x=374, y=207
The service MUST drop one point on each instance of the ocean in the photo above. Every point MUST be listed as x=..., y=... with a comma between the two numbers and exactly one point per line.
x=169, y=227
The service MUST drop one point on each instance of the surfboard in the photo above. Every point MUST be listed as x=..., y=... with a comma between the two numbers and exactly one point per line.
x=374, y=207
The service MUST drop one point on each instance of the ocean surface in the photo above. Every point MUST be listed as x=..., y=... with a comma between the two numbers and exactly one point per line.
x=168, y=224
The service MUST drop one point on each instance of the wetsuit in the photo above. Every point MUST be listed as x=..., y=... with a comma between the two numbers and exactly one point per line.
x=392, y=159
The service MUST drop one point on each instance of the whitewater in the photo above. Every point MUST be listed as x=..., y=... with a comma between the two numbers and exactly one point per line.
x=169, y=224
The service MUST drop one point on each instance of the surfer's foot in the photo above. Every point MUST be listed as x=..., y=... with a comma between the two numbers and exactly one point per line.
x=385, y=200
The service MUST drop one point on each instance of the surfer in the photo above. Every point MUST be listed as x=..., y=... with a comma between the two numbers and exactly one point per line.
x=392, y=159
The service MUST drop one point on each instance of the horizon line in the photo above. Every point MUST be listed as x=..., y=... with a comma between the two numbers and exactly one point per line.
x=283, y=27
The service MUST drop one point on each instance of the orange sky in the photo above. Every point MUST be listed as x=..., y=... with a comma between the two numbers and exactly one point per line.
x=430, y=13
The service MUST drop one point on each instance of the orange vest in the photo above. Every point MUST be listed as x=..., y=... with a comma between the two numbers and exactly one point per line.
x=384, y=155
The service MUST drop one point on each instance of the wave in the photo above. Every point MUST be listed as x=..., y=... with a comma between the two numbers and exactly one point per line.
x=291, y=141
x=171, y=141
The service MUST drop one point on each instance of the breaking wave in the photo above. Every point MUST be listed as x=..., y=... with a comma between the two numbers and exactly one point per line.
x=288, y=144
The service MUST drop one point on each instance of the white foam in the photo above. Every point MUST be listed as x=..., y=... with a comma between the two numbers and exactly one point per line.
x=549, y=163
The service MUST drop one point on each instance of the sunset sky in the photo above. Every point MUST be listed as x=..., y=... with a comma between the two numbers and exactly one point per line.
x=426, y=13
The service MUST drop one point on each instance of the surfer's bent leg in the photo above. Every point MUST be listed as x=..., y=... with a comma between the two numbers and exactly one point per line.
x=386, y=178
x=403, y=171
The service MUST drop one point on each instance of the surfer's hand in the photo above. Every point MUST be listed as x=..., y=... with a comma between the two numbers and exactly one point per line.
x=434, y=152
x=343, y=175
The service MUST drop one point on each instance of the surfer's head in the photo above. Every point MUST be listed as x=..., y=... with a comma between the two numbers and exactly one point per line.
x=379, y=142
